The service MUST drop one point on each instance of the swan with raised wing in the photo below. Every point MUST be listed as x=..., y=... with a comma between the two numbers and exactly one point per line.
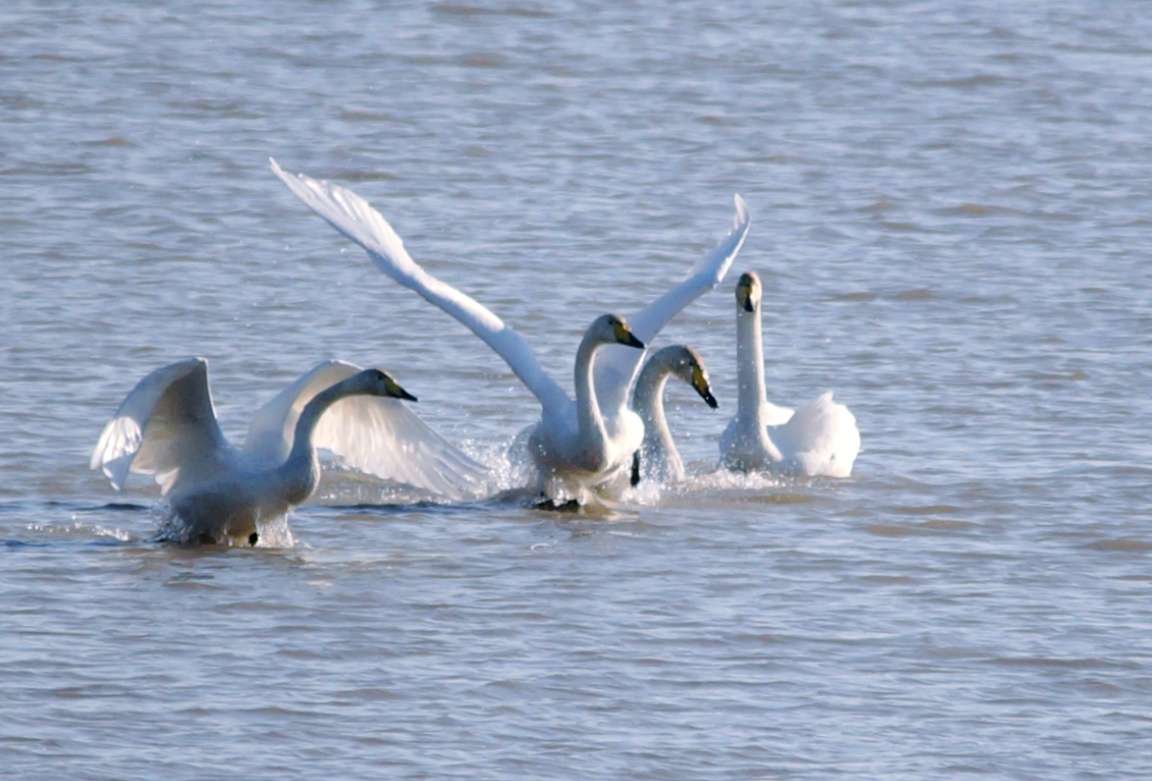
x=820, y=439
x=167, y=428
x=578, y=445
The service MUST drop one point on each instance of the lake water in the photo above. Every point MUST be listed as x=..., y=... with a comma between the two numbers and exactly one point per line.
x=952, y=215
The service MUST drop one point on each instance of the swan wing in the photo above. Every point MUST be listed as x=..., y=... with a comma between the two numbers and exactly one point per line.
x=270, y=434
x=354, y=217
x=616, y=366
x=166, y=427
x=377, y=436
x=821, y=439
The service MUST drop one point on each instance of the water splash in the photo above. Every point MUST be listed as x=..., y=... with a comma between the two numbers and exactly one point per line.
x=78, y=529
x=171, y=528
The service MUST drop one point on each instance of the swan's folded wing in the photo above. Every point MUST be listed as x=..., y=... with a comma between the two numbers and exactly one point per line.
x=354, y=217
x=270, y=434
x=616, y=365
x=821, y=439
x=166, y=428
x=384, y=438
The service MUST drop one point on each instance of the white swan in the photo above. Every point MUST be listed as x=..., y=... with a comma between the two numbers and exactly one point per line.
x=658, y=459
x=167, y=428
x=578, y=444
x=818, y=439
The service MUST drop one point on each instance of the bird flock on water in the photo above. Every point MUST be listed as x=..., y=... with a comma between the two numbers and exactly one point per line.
x=587, y=448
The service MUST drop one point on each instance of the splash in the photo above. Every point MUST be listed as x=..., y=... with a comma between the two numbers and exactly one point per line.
x=171, y=529
x=77, y=529
x=711, y=483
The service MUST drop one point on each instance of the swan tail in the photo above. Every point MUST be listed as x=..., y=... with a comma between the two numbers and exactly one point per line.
x=821, y=439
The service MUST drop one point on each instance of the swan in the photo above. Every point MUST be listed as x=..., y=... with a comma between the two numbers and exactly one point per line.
x=820, y=439
x=658, y=455
x=166, y=428
x=578, y=445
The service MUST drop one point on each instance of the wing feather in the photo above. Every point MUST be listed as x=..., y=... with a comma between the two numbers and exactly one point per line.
x=384, y=438
x=616, y=366
x=354, y=217
x=270, y=434
x=166, y=427
x=377, y=436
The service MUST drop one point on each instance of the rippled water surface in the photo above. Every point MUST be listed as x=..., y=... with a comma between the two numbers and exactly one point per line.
x=951, y=215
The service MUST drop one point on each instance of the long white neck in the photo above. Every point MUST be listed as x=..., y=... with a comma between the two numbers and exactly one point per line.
x=750, y=364
x=659, y=449
x=591, y=421
x=300, y=472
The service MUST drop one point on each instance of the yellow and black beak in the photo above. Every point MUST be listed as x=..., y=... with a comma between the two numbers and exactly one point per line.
x=396, y=392
x=700, y=383
x=625, y=336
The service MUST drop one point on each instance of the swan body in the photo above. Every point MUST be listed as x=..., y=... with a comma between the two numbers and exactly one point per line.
x=579, y=443
x=580, y=447
x=658, y=458
x=820, y=439
x=167, y=428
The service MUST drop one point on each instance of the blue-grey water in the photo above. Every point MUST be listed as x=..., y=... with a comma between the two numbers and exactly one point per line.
x=952, y=214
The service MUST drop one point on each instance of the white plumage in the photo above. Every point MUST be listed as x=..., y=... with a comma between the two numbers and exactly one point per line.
x=166, y=428
x=819, y=438
x=579, y=443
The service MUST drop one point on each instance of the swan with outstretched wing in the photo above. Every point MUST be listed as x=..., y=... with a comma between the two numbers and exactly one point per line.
x=578, y=443
x=166, y=428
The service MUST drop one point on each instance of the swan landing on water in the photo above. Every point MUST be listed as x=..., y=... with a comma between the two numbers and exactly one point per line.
x=580, y=445
x=167, y=428
x=820, y=439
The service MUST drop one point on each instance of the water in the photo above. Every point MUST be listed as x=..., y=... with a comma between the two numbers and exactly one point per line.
x=950, y=212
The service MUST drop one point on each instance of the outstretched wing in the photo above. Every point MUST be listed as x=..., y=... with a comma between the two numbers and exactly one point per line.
x=615, y=365
x=166, y=428
x=270, y=434
x=821, y=439
x=374, y=435
x=353, y=216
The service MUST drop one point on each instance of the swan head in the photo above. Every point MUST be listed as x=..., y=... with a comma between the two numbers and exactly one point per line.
x=373, y=382
x=687, y=365
x=748, y=292
x=612, y=329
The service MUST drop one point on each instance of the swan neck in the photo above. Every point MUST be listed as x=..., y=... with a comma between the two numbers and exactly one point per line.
x=750, y=363
x=310, y=416
x=300, y=472
x=587, y=406
x=648, y=402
